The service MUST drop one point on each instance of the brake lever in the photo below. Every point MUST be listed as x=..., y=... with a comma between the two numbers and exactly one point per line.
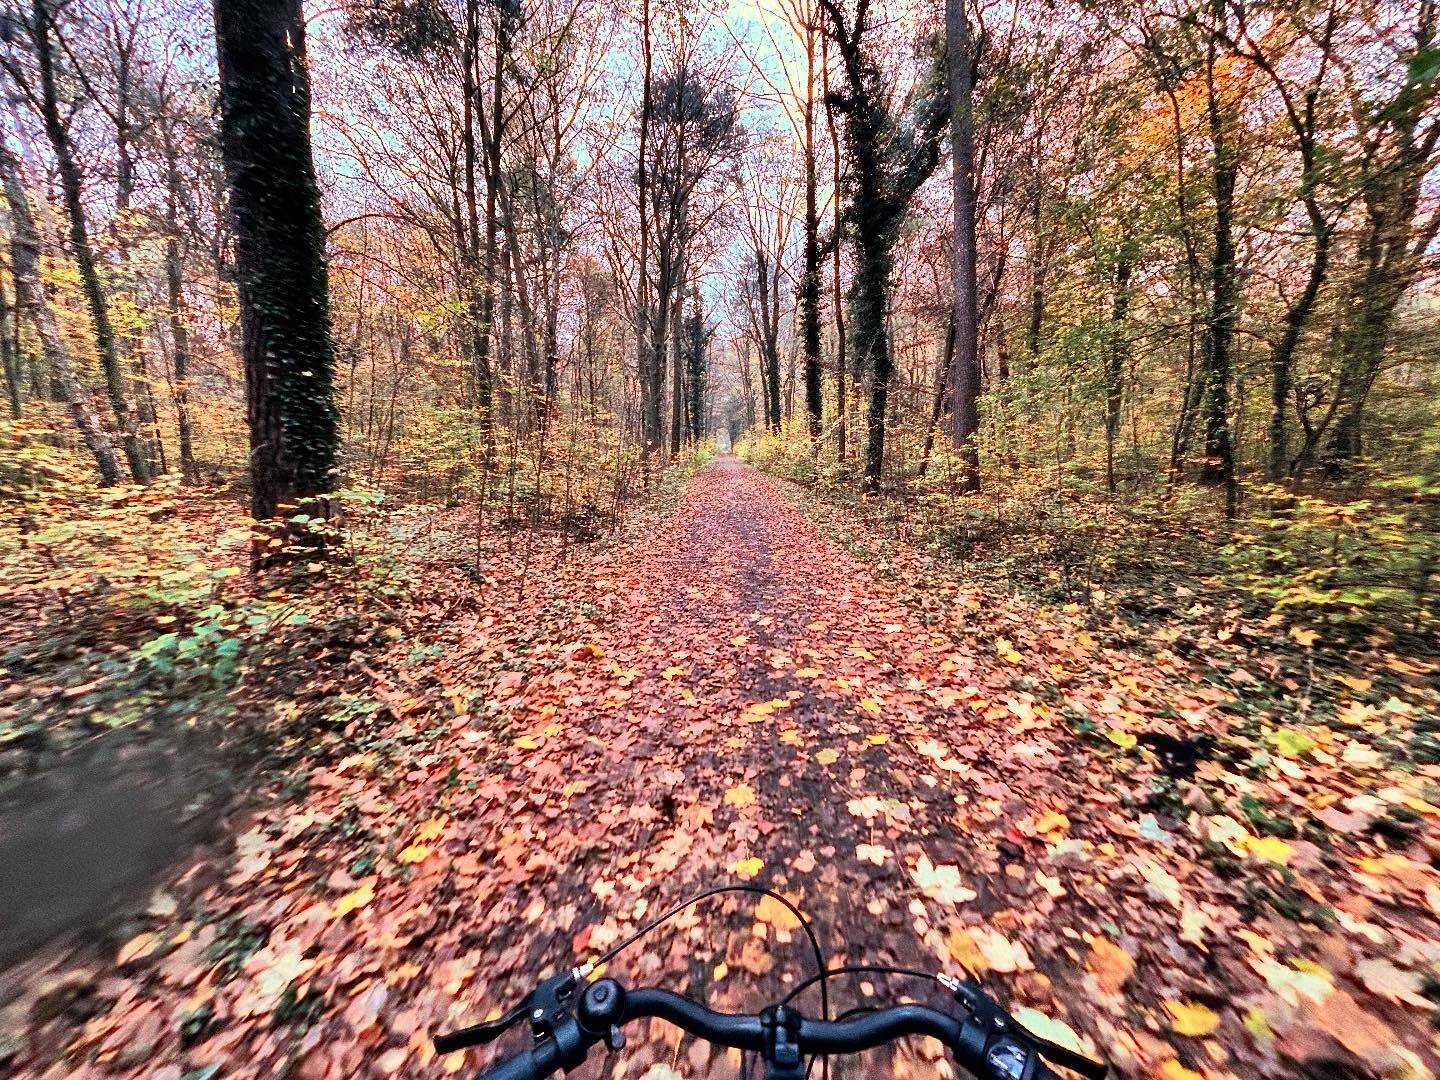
x=547, y=1006
x=482, y=1033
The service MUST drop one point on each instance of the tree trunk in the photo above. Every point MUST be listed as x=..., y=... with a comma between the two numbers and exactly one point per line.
x=871, y=342
x=1224, y=293
x=695, y=366
x=30, y=298
x=279, y=253
x=1117, y=354
x=677, y=372
x=106, y=345
x=837, y=299
x=179, y=331
x=648, y=363
x=810, y=272
x=10, y=355
x=937, y=403
x=965, y=414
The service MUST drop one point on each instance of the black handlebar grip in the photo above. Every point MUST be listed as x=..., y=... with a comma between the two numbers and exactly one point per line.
x=523, y=1066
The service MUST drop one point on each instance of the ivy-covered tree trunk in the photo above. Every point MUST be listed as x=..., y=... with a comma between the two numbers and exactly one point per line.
x=1216, y=363
x=870, y=343
x=810, y=273
x=695, y=366
x=965, y=370
x=279, y=252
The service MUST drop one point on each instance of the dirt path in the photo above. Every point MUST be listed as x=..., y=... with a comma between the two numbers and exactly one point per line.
x=736, y=699
x=776, y=716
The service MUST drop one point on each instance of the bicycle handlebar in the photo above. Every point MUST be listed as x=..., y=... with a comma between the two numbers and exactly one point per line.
x=566, y=1024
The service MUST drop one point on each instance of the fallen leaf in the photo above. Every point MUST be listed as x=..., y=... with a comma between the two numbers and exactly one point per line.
x=1047, y=1027
x=354, y=900
x=873, y=853
x=740, y=796
x=1383, y=978
x=1269, y=848
x=747, y=868
x=1111, y=965
x=941, y=883
x=1001, y=954
x=415, y=853
x=1173, y=1070
x=1192, y=1019
x=137, y=948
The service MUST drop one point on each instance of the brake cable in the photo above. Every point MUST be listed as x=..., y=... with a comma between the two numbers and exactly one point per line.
x=821, y=967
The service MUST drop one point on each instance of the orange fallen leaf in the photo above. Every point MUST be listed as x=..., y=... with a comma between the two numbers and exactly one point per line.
x=1111, y=965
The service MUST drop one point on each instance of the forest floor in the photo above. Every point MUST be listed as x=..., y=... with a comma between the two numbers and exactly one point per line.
x=1154, y=848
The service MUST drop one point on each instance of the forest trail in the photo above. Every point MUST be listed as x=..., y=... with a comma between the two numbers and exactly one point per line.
x=736, y=699
x=781, y=719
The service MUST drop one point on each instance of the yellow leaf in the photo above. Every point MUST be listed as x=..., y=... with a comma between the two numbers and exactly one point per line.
x=1173, y=1070
x=878, y=739
x=1270, y=848
x=1007, y=651
x=870, y=705
x=1257, y=1024
x=808, y=672
x=1354, y=682
x=431, y=830
x=966, y=953
x=740, y=796
x=414, y=853
x=1307, y=638
x=747, y=868
x=1192, y=1019
x=354, y=900
x=1052, y=822
x=529, y=742
x=137, y=948
x=1122, y=739
x=670, y=674
x=721, y=970
x=827, y=757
